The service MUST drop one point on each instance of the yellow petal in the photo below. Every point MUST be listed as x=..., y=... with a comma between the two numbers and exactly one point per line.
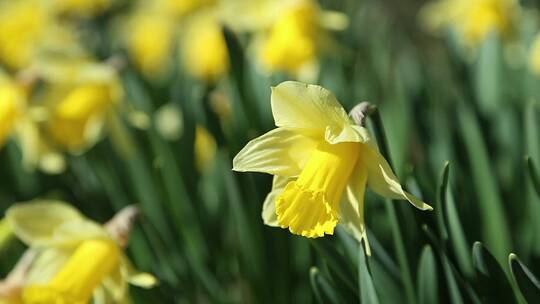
x=269, y=215
x=382, y=180
x=35, y=222
x=279, y=152
x=352, y=206
x=135, y=277
x=51, y=223
x=297, y=105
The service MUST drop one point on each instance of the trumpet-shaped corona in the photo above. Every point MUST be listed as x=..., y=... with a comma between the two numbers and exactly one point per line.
x=92, y=261
x=309, y=206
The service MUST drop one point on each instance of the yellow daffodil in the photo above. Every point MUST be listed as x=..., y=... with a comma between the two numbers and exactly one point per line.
x=472, y=20
x=77, y=258
x=204, y=51
x=29, y=28
x=535, y=55
x=292, y=33
x=321, y=163
x=150, y=41
x=79, y=98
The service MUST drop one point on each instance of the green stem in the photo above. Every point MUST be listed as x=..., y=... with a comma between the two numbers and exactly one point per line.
x=399, y=245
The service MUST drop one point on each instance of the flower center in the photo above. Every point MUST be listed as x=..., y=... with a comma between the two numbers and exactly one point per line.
x=309, y=206
x=83, y=272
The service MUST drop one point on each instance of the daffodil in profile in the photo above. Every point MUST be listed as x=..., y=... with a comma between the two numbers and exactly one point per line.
x=77, y=259
x=471, y=20
x=322, y=163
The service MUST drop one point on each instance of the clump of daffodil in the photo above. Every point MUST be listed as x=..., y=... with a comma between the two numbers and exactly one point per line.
x=27, y=28
x=77, y=259
x=535, y=55
x=321, y=162
x=471, y=20
x=204, y=51
x=80, y=97
x=292, y=34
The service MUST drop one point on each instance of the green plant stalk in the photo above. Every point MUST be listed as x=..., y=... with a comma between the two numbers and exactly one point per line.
x=399, y=245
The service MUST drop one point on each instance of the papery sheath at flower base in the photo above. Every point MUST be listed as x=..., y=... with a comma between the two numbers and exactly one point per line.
x=322, y=163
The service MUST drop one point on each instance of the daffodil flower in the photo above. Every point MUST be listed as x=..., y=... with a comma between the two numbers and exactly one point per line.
x=321, y=163
x=472, y=20
x=204, y=51
x=28, y=29
x=77, y=259
x=290, y=34
x=79, y=99
x=149, y=36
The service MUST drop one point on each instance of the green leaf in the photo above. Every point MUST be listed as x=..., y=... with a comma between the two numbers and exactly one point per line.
x=527, y=282
x=427, y=277
x=441, y=199
x=323, y=290
x=533, y=174
x=494, y=227
x=452, y=224
x=367, y=288
x=493, y=284
x=336, y=262
x=488, y=72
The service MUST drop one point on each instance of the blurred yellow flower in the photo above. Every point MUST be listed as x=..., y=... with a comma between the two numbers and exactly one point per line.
x=79, y=98
x=77, y=258
x=204, y=50
x=472, y=20
x=27, y=29
x=150, y=41
x=321, y=163
x=205, y=149
x=535, y=55
x=296, y=34
x=12, y=102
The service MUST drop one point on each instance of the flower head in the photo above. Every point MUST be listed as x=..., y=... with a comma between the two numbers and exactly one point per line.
x=12, y=102
x=321, y=164
x=77, y=258
x=472, y=20
x=204, y=51
x=79, y=97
